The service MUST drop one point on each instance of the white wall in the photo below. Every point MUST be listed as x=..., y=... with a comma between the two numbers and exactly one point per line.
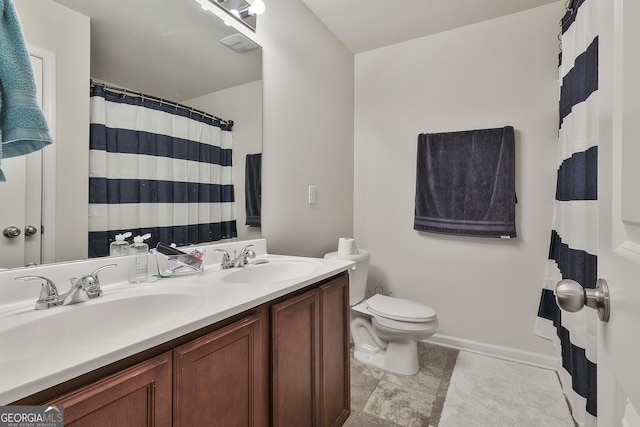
x=65, y=32
x=243, y=105
x=308, y=131
x=495, y=73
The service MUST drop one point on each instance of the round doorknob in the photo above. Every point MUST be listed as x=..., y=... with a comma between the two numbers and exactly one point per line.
x=571, y=296
x=11, y=232
x=30, y=230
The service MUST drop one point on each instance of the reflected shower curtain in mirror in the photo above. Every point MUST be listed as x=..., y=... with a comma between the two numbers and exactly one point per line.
x=573, y=251
x=157, y=168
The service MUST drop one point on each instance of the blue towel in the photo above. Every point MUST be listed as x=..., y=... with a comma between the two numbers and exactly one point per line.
x=465, y=183
x=23, y=127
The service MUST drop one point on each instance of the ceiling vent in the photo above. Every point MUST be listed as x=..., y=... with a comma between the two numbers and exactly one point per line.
x=239, y=42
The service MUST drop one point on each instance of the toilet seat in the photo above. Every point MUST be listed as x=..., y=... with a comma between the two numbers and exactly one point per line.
x=398, y=309
x=401, y=327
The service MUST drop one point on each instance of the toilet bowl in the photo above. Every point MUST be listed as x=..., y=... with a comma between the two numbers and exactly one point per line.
x=385, y=330
x=387, y=335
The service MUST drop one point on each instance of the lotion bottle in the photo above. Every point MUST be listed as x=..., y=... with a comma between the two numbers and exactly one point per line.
x=139, y=253
x=120, y=246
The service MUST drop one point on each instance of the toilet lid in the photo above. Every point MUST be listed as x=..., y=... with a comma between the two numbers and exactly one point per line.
x=400, y=309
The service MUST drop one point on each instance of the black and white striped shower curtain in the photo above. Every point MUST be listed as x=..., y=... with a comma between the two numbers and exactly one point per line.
x=574, y=238
x=157, y=168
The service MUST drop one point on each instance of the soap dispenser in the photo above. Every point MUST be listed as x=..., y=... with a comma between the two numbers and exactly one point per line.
x=139, y=267
x=120, y=246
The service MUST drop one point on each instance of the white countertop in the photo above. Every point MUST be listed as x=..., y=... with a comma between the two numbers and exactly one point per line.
x=155, y=313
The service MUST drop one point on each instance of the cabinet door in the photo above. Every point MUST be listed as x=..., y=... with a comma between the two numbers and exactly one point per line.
x=295, y=344
x=220, y=379
x=138, y=396
x=335, y=396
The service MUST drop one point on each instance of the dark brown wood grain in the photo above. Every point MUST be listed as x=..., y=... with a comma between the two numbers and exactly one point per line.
x=137, y=396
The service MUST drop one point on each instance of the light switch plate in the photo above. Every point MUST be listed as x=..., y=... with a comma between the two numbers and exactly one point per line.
x=312, y=194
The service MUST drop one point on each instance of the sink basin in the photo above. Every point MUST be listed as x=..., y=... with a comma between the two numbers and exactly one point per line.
x=76, y=328
x=271, y=272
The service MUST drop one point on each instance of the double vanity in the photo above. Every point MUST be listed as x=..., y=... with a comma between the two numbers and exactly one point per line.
x=264, y=344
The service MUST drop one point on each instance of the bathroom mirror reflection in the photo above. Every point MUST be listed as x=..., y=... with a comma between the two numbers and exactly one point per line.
x=169, y=49
x=243, y=10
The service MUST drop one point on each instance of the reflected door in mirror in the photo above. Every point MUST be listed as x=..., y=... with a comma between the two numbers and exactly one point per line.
x=21, y=210
x=21, y=201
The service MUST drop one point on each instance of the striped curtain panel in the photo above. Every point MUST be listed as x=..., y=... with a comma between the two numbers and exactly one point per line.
x=157, y=168
x=574, y=238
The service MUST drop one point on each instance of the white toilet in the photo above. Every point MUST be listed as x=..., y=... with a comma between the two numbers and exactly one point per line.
x=385, y=330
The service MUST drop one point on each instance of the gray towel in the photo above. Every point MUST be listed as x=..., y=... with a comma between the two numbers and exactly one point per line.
x=465, y=183
x=23, y=127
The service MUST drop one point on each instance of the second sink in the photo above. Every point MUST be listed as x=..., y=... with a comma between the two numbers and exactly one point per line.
x=274, y=271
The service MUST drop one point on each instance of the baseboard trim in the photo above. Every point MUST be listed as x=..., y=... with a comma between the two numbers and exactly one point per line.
x=506, y=353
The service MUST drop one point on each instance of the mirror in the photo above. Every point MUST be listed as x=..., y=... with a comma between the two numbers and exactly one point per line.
x=172, y=49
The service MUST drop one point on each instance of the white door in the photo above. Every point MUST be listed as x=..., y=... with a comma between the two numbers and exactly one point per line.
x=619, y=198
x=21, y=211
x=21, y=197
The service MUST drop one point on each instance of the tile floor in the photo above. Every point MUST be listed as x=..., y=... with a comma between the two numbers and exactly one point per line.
x=457, y=389
x=382, y=399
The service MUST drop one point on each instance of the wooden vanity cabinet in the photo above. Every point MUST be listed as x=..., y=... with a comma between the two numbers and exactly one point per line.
x=310, y=357
x=138, y=396
x=284, y=363
x=221, y=379
x=295, y=332
x=335, y=387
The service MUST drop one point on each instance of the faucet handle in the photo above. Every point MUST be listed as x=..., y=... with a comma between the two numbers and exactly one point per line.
x=91, y=283
x=245, y=255
x=98, y=270
x=226, y=259
x=94, y=275
x=225, y=254
x=249, y=254
x=245, y=249
x=49, y=296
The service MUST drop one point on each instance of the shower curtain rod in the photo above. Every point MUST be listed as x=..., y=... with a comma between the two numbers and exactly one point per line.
x=161, y=100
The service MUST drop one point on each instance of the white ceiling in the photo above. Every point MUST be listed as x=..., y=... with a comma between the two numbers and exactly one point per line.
x=166, y=48
x=369, y=24
x=171, y=49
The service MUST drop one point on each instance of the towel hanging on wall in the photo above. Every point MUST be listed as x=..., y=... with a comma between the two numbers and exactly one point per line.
x=465, y=183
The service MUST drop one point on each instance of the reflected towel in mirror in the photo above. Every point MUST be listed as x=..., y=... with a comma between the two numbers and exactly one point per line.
x=253, y=189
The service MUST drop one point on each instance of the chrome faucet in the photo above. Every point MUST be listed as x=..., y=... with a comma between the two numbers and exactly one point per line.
x=84, y=289
x=49, y=296
x=238, y=261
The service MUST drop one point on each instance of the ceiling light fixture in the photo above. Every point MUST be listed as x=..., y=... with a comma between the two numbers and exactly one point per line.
x=248, y=11
x=256, y=7
x=244, y=11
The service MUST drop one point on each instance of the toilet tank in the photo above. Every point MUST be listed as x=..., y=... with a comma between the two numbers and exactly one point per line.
x=357, y=275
